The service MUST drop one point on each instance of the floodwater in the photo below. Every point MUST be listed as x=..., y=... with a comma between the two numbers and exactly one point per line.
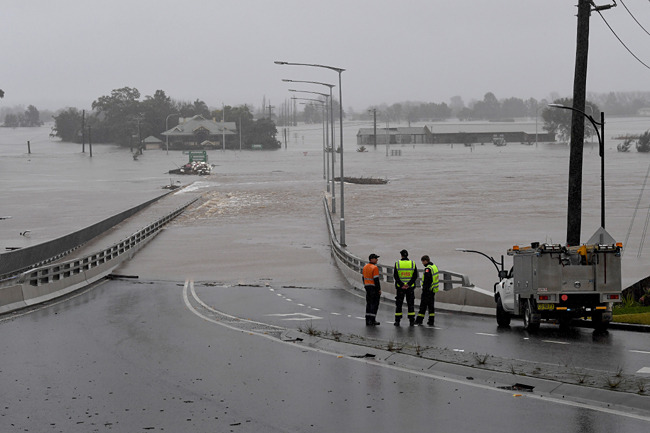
x=438, y=198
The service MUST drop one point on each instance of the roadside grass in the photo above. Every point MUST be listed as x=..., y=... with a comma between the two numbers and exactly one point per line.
x=638, y=319
x=636, y=314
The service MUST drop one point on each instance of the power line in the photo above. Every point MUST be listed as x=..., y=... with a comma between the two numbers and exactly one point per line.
x=633, y=17
x=621, y=41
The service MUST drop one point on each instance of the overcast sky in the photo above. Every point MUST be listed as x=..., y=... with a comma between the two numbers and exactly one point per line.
x=70, y=52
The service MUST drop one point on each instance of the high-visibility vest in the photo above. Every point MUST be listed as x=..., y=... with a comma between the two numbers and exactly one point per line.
x=370, y=271
x=434, y=275
x=405, y=270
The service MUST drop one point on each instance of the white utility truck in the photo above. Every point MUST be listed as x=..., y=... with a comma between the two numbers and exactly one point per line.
x=557, y=283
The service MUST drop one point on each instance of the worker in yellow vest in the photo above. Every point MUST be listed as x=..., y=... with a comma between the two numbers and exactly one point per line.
x=405, y=275
x=429, y=290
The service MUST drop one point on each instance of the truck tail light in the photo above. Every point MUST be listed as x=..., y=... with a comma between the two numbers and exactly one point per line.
x=613, y=297
x=543, y=297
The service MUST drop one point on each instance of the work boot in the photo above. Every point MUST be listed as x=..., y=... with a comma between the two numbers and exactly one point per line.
x=411, y=322
x=418, y=321
x=430, y=322
x=396, y=323
x=375, y=323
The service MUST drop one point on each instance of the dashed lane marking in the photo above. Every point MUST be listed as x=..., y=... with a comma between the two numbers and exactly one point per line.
x=485, y=333
x=640, y=351
x=644, y=370
x=190, y=285
x=295, y=316
x=555, y=342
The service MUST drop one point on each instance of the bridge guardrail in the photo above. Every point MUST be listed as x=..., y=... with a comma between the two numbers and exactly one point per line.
x=466, y=297
x=48, y=282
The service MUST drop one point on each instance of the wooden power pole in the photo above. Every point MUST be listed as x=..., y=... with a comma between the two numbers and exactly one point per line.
x=574, y=211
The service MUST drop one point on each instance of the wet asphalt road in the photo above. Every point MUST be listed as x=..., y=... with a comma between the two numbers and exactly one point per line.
x=139, y=356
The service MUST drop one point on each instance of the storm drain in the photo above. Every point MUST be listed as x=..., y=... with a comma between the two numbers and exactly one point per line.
x=518, y=387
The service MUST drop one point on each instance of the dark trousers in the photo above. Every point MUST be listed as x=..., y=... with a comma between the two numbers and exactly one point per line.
x=410, y=303
x=428, y=301
x=372, y=303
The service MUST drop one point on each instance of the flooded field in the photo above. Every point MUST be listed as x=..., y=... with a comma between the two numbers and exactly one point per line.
x=438, y=198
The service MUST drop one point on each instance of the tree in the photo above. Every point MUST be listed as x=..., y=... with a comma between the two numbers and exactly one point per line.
x=32, y=117
x=67, y=125
x=156, y=108
x=12, y=121
x=558, y=120
x=264, y=132
x=643, y=145
x=119, y=114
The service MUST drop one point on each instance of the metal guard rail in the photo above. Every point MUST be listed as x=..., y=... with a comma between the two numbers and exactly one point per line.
x=448, y=279
x=60, y=271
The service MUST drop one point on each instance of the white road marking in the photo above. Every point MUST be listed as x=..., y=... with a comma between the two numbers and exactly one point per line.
x=289, y=300
x=462, y=382
x=644, y=370
x=555, y=342
x=640, y=351
x=336, y=314
x=302, y=305
x=360, y=318
x=296, y=316
x=489, y=335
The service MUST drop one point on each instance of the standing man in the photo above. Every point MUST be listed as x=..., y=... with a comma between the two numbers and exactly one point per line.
x=405, y=274
x=373, y=289
x=429, y=290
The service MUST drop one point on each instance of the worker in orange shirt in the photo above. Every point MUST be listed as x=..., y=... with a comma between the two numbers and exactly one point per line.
x=370, y=275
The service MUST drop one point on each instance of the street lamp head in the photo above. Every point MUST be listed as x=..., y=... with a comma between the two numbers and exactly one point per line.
x=277, y=62
x=462, y=250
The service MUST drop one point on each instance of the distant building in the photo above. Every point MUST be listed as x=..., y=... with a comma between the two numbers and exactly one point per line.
x=197, y=130
x=398, y=135
x=423, y=135
x=152, y=142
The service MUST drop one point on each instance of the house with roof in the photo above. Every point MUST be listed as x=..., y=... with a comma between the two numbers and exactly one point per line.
x=152, y=142
x=398, y=135
x=199, y=132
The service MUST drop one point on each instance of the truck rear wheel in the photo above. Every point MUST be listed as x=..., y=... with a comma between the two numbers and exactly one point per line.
x=599, y=324
x=503, y=317
x=529, y=325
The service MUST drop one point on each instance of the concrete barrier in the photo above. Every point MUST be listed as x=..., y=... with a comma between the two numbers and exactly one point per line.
x=18, y=261
x=457, y=293
x=52, y=281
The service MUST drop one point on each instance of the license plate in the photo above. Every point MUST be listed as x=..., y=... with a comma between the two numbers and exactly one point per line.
x=546, y=306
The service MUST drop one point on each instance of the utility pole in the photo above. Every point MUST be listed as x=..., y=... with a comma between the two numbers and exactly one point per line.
x=270, y=107
x=574, y=208
x=83, y=131
x=374, y=119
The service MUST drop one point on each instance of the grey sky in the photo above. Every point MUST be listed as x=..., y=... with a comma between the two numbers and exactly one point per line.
x=69, y=52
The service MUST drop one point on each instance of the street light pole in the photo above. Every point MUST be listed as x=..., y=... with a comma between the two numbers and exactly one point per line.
x=342, y=176
x=601, y=151
x=167, y=128
x=331, y=122
x=494, y=262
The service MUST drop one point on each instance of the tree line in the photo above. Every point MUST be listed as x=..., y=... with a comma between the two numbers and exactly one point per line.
x=124, y=119
x=491, y=108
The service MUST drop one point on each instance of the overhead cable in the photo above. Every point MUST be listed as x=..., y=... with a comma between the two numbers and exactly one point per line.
x=634, y=18
x=621, y=41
